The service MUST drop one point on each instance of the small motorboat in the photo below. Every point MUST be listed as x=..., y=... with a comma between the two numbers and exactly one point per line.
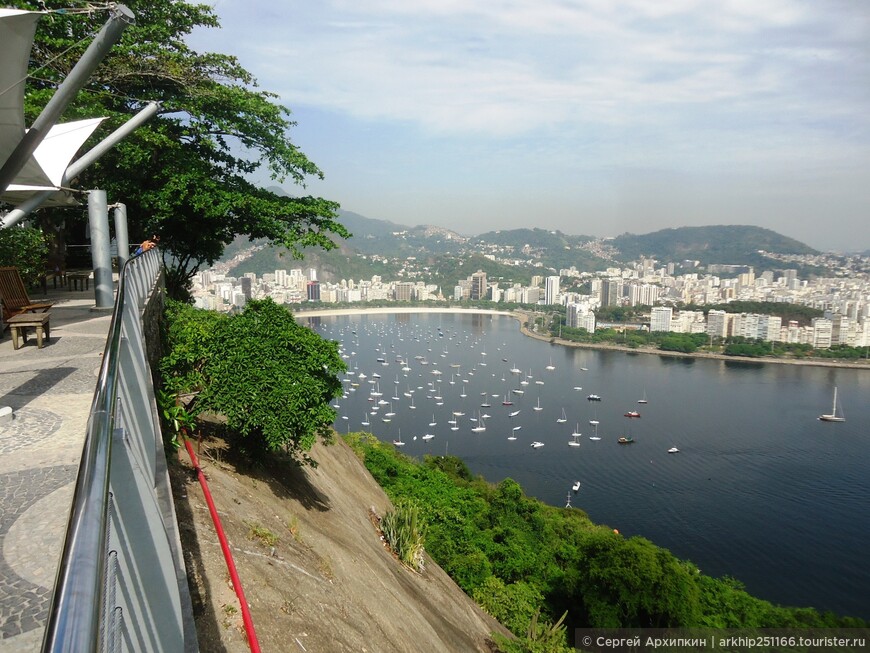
x=673, y=450
x=576, y=487
x=625, y=440
x=537, y=445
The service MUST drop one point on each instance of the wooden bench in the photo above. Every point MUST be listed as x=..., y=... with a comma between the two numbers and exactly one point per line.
x=23, y=321
x=14, y=296
x=77, y=277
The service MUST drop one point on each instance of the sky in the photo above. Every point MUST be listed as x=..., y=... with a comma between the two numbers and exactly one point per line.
x=594, y=117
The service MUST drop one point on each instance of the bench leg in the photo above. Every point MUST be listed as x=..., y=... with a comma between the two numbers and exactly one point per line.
x=39, y=336
x=14, y=330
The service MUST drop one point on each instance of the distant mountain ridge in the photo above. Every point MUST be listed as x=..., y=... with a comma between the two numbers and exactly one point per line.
x=737, y=244
x=379, y=246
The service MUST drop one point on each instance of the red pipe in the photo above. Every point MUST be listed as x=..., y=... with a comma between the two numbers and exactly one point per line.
x=228, y=556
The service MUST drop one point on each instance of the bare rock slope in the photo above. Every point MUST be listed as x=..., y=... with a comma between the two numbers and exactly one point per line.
x=314, y=570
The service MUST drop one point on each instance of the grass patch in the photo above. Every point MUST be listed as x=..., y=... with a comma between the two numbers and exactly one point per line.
x=262, y=534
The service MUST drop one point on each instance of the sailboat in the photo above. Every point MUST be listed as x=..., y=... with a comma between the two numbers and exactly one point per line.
x=643, y=399
x=538, y=407
x=833, y=417
x=562, y=419
x=399, y=442
x=594, y=423
x=576, y=437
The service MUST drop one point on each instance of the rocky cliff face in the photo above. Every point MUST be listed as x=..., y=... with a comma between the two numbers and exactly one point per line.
x=315, y=573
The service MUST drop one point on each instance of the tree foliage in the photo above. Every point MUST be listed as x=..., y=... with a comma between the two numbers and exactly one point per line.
x=185, y=173
x=528, y=563
x=271, y=378
x=25, y=248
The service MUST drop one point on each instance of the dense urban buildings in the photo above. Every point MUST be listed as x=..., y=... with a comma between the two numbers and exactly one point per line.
x=845, y=301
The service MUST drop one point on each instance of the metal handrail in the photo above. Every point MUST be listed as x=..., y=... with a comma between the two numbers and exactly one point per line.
x=79, y=618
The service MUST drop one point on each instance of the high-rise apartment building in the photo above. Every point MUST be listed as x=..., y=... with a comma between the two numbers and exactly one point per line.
x=245, y=284
x=404, y=291
x=611, y=291
x=551, y=292
x=313, y=291
x=478, y=285
x=660, y=318
x=822, y=331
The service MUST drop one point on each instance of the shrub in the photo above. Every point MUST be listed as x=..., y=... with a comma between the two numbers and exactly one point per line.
x=27, y=249
x=404, y=532
x=269, y=377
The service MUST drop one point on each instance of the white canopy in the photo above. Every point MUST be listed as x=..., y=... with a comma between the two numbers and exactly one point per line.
x=53, y=156
x=17, y=28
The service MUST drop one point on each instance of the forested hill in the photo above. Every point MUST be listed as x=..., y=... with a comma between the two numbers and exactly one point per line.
x=725, y=244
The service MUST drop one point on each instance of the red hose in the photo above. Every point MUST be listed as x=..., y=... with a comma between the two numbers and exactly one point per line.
x=228, y=556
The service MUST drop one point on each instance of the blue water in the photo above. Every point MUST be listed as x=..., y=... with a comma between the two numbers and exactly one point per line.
x=761, y=490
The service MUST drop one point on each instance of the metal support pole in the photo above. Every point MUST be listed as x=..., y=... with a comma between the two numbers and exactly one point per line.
x=120, y=17
x=101, y=254
x=78, y=166
x=121, y=238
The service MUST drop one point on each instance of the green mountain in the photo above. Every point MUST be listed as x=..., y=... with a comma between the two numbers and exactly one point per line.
x=723, y=244
x=433, y=254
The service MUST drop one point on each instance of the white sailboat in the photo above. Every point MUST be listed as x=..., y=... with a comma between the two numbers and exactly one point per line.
x=563, y=419
x=538, y=407
x=833, y=417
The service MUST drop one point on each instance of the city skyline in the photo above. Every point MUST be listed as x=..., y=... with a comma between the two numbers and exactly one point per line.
x=586, y=117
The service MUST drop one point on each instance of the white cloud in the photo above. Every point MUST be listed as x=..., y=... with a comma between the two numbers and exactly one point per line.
x=763, y=88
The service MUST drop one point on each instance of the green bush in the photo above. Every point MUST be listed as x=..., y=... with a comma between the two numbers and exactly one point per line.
x=27, y=249
x=269, y=377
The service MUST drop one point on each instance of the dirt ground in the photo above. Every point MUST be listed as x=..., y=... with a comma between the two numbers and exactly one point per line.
x=313, y=568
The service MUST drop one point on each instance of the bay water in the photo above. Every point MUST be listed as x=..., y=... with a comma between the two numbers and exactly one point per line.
x=760, y=489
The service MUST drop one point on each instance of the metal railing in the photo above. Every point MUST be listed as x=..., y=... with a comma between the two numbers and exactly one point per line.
x=121, y=584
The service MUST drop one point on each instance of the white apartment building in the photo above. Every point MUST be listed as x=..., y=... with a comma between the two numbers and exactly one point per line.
x=660, y=318
x=551, y=292
x=822, y=331
x=579, y=316
x=643, y=294
x=718, y=323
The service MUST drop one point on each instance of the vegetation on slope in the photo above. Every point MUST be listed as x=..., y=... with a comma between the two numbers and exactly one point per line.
x=516, y=555
x=724, y=244
x=270, y=378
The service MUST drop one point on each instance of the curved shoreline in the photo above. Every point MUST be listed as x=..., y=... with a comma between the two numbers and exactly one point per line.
x=522, y=317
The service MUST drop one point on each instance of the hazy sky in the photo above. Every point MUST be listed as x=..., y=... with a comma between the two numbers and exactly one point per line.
x=590, y=116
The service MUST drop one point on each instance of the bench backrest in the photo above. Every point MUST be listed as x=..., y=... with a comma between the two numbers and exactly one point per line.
x=12, y=291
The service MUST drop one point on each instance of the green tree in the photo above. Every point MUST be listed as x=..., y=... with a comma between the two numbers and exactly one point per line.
x=185, y=173
x=271, y=378
x=26, y=249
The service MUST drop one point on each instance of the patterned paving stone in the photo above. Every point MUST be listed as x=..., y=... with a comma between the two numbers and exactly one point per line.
x=23, y=604
x=30, y=426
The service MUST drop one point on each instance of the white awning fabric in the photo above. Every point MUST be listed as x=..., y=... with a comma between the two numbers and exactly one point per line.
x=17, y=28
x=45, y=169
x=53, y=156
